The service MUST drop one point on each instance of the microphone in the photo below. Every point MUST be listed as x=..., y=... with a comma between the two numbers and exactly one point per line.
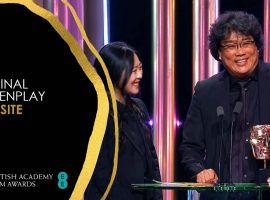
x=236, y=111
x=220, y=115
x=220, y=112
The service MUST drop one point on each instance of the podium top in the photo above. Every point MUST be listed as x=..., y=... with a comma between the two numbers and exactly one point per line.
x=202, y=186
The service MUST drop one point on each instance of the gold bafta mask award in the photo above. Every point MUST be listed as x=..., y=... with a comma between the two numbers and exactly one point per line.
x=260, y=142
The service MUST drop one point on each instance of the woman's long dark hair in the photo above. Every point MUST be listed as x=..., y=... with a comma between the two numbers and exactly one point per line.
x=119, y=58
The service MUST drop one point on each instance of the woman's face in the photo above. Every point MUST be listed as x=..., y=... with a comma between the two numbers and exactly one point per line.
x=132, y=86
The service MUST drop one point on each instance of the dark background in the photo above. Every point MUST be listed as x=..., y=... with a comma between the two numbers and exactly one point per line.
x=131, y=22
x=50, y=136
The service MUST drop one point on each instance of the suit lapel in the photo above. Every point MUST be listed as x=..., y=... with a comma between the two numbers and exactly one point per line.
x=264, y=93
x=223, y=94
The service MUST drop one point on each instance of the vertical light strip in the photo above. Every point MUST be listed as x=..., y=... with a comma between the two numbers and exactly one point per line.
x=266, y=55
x=55, y=8
x=48, y=4
x=204, y=14
x=66, y=12
x=195, y=39
x=82, y=14
x=61, y=11
x=213, y=13
x=164, y=109
x=78, y=5
x=105, y=22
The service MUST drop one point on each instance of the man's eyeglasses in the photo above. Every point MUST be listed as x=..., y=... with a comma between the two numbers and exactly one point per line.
x=245, y=44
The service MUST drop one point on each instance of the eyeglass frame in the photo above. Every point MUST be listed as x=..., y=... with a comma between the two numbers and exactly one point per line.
x=244, y=44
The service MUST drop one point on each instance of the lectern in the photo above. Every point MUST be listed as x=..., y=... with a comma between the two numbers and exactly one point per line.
x=204, y=187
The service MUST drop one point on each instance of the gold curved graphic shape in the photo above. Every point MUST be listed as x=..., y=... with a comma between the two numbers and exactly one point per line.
x=115, y=116
x=100, y=123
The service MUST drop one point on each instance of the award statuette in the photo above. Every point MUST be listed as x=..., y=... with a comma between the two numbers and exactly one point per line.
x=260, y=142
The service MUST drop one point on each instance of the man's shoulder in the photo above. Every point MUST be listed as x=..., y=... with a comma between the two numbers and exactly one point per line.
x=212, y=81
x=265, y=65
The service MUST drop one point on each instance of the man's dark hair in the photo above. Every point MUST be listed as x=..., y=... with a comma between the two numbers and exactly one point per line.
x=234, y=21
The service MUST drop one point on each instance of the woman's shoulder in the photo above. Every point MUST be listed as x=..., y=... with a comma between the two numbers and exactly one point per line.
x=139, y=103
x=140, y=108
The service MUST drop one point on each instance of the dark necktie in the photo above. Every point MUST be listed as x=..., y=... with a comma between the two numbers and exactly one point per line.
x=243, y=88
x=239, y=134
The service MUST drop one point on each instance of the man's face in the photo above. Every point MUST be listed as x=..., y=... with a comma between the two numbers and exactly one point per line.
x=239, y=54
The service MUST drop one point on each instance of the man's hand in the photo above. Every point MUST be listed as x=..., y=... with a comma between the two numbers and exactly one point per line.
x=268, y=180
x=207, y=176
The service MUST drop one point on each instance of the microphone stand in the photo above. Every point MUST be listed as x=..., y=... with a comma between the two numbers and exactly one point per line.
x=236, y=111
x=231, y=148
x=220, y=148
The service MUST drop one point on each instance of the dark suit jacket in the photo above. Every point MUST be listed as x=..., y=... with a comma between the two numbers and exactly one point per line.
x=137, y=155
x=201, y=138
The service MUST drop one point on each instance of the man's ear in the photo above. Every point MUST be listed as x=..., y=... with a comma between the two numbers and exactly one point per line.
x=219, y=55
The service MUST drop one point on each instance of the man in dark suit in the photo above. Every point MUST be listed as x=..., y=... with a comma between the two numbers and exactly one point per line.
x=216, y=146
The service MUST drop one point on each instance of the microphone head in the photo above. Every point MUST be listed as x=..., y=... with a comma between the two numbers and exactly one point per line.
x=220, y=111
x=238, y=107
